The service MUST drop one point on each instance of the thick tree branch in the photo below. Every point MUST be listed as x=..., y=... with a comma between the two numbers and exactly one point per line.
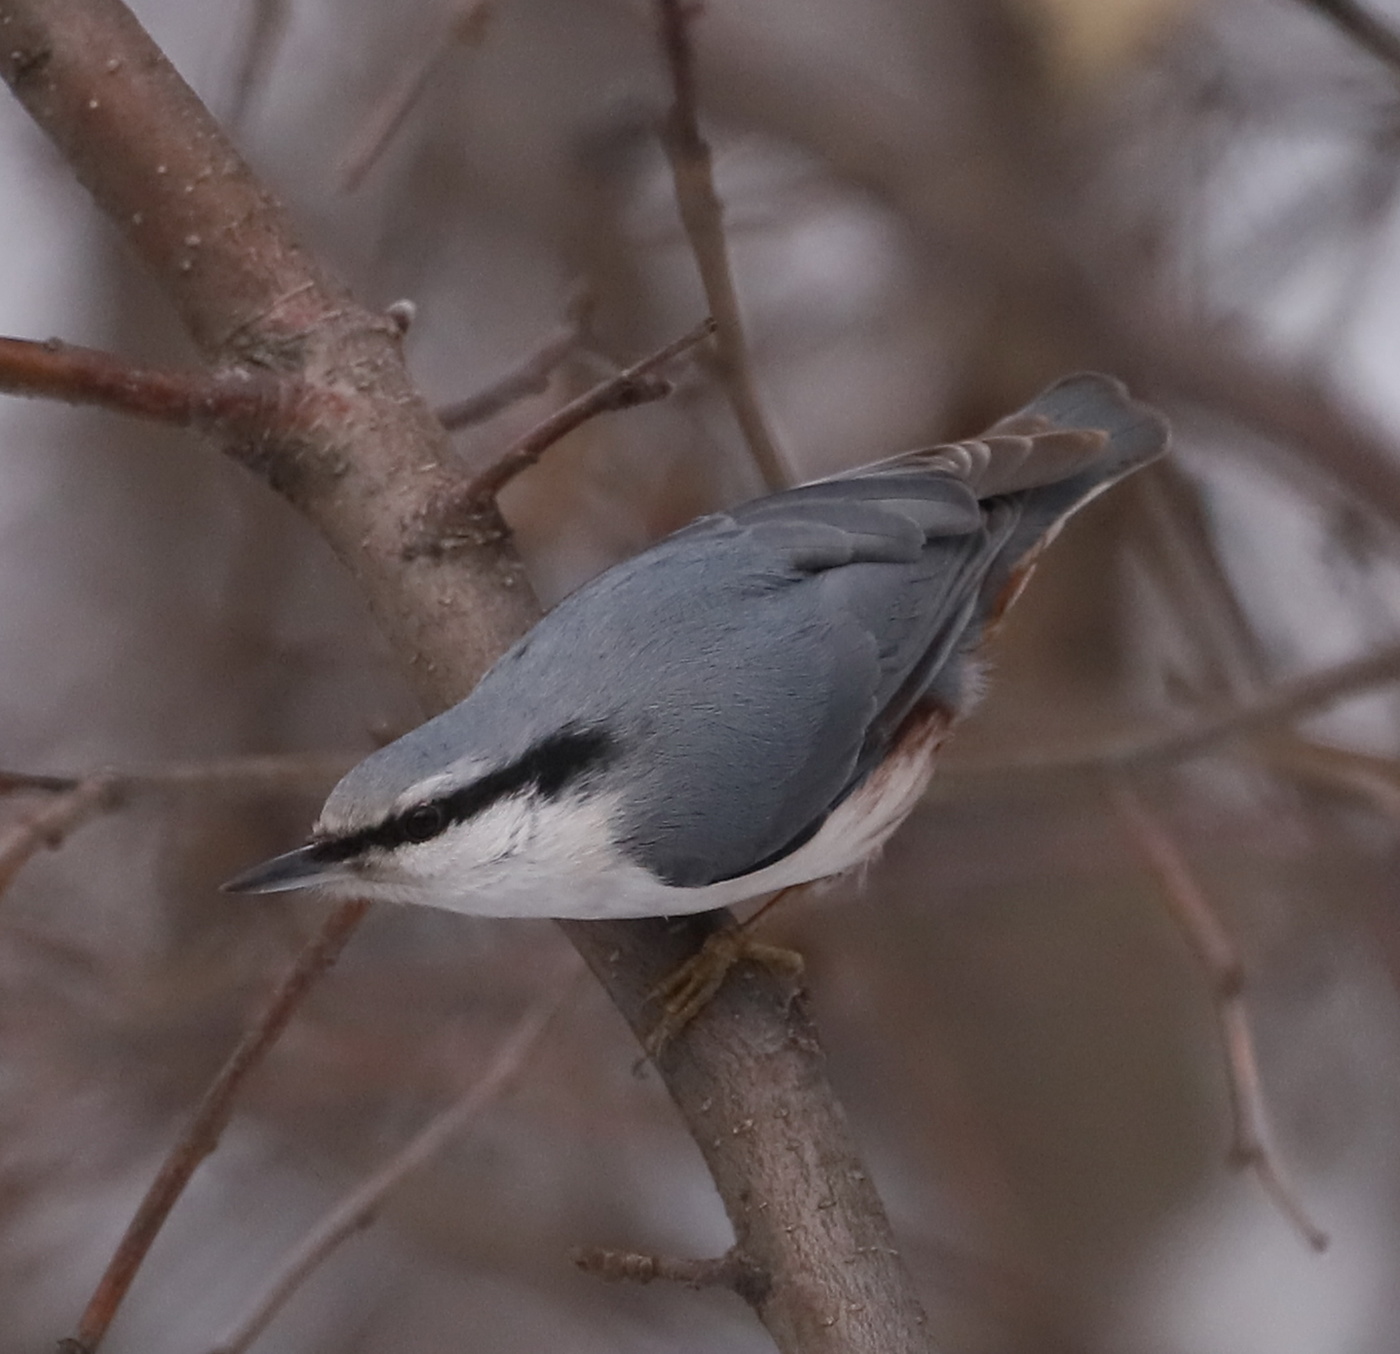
x=748, y=1074
x=225, y=252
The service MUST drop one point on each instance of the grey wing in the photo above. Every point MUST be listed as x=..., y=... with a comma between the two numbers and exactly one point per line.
x=833, y=608
x=819, y=614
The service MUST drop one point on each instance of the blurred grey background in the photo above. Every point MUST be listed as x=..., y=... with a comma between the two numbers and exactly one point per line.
x=935, y=207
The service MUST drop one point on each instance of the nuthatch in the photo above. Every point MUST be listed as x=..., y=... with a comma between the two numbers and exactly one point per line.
x=752, y=704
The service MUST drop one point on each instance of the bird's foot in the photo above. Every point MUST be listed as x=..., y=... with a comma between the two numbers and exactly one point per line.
x=690, y=987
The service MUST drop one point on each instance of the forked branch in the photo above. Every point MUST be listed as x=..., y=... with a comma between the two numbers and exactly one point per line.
x=635, y=385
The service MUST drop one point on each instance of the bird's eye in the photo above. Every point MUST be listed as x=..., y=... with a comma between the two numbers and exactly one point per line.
x=424, y=822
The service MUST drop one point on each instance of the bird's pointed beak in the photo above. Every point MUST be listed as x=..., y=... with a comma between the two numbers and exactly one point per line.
x=295, y=870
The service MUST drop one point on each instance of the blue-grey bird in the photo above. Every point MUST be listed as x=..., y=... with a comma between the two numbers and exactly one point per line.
x=751, y=704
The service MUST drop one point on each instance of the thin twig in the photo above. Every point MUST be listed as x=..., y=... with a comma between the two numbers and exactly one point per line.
x=358, y=1208
x=733, y=1270
x=528, y=377
x=51, y=825
x=1363, y=28
x=636, y=385
x=236, y=400
x=1308, y=429
x=1373, y=777
x=465, y=22
x=210, y=1118
x=1288, y=701
x=30, y=782
x=702, y=215
x=1213, y=948
x=291, y=772
x=78, y=799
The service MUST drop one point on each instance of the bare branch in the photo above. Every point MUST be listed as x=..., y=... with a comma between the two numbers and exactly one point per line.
x=1373, y=777
x=733, y=1270
x=465, y=22
x=76, y=800
x=1215, y=952
x=29, y=782
x=632, y=386
x=238, y=402
x=280, y=773
x=1288, y=701
x=359, y=1207
x=1325, y=443
x=211, y=1117
x=528, y=377
x=51, y=825
x=702, y=214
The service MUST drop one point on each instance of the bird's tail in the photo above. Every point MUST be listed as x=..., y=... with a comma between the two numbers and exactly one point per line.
x=1082, y=434
x=1076, y=438
x=1045, y=462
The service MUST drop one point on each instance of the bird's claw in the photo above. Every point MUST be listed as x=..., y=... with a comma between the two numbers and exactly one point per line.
x=690, y=987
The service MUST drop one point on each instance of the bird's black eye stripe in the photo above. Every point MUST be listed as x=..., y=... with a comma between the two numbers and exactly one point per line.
x=545, y=770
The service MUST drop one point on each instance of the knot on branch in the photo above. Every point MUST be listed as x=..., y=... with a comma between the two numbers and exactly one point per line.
x=456, y=519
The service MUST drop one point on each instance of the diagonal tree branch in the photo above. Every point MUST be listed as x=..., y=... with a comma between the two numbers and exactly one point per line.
x=634, y=385
x=748, y=1076
x=358, y=1208
x=1215, y=951
x=528, y=377
x=211, y=1117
